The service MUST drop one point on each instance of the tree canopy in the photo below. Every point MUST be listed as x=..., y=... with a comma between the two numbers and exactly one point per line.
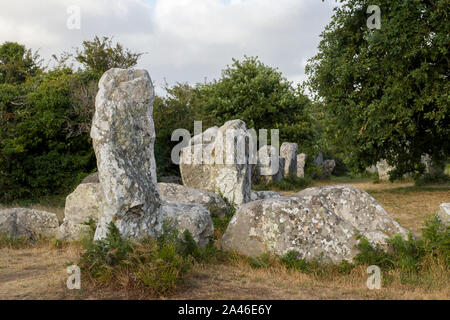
x=384, y=93
x=17, y=63
x=260, y=96
x=100, y=55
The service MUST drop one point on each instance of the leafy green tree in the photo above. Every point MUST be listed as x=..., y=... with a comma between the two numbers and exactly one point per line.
x=100, y=55
x=259, y=95
x=178, y=109
x=17, y=63
x=385, y=92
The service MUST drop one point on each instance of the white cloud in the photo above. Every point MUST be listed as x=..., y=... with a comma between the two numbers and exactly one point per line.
x=186, y=40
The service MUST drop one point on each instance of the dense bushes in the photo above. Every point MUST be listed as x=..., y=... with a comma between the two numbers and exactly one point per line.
x=45, y=117
x=44, y=145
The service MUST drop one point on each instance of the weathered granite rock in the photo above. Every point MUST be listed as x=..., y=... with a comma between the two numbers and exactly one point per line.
x=444, y=213
x=221, y=165
x=259, y=195
x=123, y=136
x=269, y=164
x=92, y=178
x=81, y=205
x=358, y=208
x=28, y=223
x=301, y=161
x=316, y=223
x=383, y=169
x=327, y=168
x=178, y=193
x=288, y=151
x=188, y=216
x=279, y=225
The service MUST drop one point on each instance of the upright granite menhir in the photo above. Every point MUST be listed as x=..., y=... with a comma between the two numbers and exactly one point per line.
x=123, y=136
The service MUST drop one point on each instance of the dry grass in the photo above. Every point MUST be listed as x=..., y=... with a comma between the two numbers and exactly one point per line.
x=40, y=272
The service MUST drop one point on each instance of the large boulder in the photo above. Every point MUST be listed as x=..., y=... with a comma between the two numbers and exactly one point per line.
x=288, y=151
x=83, y=204
x=358, y=208
x=123, y=136
x=188, y=216
x=318, y=223
x=444, y=213
x=264, y=194
x=221, y=164
x=28, y=223
x=177, y=193
x=301, y=161
x=279, y=225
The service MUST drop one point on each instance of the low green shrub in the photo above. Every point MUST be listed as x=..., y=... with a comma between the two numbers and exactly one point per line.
x=413, y=257
x=158, y=265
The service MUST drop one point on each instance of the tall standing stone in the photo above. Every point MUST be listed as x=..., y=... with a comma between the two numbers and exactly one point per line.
x=123, y=136
x=301, y=160
x=288, y=151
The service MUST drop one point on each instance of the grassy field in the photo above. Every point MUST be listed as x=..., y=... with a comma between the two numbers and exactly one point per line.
x=39, y=272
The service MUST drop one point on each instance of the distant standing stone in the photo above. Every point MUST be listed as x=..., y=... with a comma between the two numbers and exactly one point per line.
x=288, y=151
x=301, y=160
x=383, y=169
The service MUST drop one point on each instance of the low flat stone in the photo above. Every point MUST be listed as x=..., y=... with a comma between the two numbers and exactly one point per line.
x=28, y=223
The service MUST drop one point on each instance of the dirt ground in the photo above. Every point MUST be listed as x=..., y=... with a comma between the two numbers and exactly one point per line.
x=40, y=273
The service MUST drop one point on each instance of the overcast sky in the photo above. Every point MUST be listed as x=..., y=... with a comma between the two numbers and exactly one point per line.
x=186, y=40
